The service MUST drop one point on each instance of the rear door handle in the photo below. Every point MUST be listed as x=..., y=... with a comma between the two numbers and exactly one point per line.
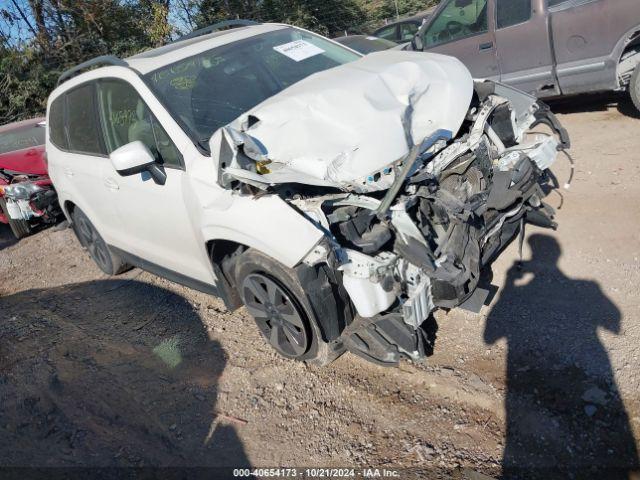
x=486, y=46
x=111, y=184
x=68, y=173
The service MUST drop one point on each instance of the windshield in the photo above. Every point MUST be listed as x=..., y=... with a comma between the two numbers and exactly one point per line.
x=210, y=90
x=22, y=138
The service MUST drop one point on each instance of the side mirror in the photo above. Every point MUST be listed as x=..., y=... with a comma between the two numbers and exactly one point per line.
x=134, y=158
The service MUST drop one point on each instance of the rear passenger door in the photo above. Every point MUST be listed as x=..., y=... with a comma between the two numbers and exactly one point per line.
x=156, y=223
x=524, y=47
x=464, y=29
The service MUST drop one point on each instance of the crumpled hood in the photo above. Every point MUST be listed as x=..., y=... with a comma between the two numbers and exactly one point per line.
x=345, y=126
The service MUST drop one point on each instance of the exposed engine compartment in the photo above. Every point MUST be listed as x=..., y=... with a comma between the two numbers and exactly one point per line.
x=455, y=202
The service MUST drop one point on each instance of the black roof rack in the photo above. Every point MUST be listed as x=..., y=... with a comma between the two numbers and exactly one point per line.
x=94, y=62
x=217, y=27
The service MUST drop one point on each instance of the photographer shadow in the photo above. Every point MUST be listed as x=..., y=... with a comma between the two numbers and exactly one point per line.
x=564, y=414
x=114, y=373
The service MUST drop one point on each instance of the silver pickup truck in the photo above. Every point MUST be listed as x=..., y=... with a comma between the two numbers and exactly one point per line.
x=545, y=47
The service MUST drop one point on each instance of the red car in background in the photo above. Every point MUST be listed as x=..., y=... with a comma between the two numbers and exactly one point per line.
x=27, y=197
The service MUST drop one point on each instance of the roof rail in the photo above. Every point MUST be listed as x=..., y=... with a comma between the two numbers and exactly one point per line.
x=217, y=27
x=94, y=62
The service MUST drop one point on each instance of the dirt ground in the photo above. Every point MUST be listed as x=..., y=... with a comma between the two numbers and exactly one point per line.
x=137, y=371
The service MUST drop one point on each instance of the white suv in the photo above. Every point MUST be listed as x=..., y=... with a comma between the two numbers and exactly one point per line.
x=340, y=198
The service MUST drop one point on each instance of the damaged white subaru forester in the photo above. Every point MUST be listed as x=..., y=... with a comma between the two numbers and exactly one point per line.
x=340, y=198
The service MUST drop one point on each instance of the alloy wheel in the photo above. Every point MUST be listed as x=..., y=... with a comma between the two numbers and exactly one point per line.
x=94, y=243
x=277, y=316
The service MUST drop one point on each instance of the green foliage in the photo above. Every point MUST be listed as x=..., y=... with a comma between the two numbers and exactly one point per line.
x=59, y=34
x=327, y=17
x=387, y=9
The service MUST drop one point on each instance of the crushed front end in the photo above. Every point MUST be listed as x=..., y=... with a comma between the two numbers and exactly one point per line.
x=455, y=206
x=416, y=234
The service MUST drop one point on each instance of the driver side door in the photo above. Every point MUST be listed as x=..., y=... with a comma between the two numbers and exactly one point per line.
x=156, y=222
x=465, y=29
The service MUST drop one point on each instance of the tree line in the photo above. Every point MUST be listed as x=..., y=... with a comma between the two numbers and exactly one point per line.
x=39, y=39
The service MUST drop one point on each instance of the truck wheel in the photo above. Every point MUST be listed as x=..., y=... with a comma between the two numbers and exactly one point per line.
x=283, y=312
x=20, y=228
x=89, y=238
x=634, y=88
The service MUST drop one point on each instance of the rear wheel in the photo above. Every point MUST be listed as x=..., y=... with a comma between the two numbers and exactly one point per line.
x=20, y=228
x=634, y=88
x=90, y=239
x=282, y=311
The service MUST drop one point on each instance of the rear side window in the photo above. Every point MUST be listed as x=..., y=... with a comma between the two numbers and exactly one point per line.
x=513, y=12
x=56, y=124
x=82, y=121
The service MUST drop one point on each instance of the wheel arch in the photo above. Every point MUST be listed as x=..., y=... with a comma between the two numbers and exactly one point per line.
x=67, y=208
x=321, y=283
x=629, y=42
x=223, y=254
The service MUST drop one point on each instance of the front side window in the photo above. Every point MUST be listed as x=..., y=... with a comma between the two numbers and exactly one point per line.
x=127, y=118
x=512, y=12
x=459, y=19
x=210, y=90
x=21, y=138
x=83, y=131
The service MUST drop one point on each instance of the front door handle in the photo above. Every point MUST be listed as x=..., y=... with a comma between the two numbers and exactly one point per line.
x=111, y=184
x=486, y=46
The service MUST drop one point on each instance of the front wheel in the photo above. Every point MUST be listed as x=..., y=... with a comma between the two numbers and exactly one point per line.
x=283, y=312
x=634, y=88
x=20, y=228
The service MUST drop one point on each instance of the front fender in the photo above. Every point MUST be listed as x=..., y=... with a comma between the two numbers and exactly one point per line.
x=266, y=223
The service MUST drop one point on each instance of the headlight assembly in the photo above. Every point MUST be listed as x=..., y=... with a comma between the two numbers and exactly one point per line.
x=21, y=191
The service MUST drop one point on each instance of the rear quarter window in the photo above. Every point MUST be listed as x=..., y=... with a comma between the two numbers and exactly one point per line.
x=56, y=124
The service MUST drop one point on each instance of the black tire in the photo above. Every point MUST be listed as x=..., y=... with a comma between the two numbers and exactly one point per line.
x=287, y=322
x=20, y=228
x=90, y=239
x=634, y=88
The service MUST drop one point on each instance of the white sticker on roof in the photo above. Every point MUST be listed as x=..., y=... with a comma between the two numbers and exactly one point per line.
x=299, y=50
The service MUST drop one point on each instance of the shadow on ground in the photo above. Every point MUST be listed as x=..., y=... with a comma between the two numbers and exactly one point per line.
x=565, y=417
x=110, y=373
x=595, y=102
